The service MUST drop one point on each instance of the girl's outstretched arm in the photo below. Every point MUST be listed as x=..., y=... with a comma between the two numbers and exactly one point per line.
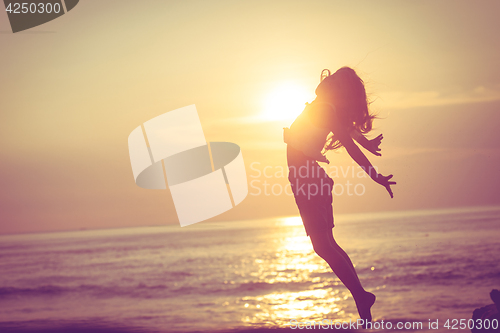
x=371, y=145
x=360, y=158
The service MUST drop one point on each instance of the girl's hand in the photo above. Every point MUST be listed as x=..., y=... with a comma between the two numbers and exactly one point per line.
x=373, y=145
x=385, y=181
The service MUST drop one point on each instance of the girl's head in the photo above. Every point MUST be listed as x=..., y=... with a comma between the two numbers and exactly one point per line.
x=346, y=91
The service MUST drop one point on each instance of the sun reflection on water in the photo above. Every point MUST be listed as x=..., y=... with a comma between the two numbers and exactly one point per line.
x=301, y=285
x=290, y=221
x=280, y=308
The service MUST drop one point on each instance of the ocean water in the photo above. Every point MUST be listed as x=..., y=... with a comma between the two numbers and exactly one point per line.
x=425, y=265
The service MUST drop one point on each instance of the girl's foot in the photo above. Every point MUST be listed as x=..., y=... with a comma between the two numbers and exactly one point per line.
x=364, y=304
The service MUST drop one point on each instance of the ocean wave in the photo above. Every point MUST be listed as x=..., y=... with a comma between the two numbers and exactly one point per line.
x=42, y=290
x=65, y=326
x=140, y=291
x=144, y=291
x=427, y=278
x=261, y=288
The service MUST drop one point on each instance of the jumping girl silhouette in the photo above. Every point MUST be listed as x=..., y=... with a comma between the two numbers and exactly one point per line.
x=338, y=115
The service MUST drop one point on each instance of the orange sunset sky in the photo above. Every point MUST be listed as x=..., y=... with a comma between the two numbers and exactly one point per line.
x=73, y=89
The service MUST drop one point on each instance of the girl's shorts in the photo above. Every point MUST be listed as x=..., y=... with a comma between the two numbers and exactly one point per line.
x=312, y=189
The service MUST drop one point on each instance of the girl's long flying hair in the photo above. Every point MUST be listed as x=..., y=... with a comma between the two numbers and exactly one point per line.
x=346, y=91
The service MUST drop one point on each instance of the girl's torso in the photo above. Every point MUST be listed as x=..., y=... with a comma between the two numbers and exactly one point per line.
x=308, y=133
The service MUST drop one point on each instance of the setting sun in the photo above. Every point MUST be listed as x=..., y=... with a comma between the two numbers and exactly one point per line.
x=286, y=101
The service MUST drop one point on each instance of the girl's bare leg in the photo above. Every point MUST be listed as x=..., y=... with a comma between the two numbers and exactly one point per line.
x=343, y=253
x=325, y=246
